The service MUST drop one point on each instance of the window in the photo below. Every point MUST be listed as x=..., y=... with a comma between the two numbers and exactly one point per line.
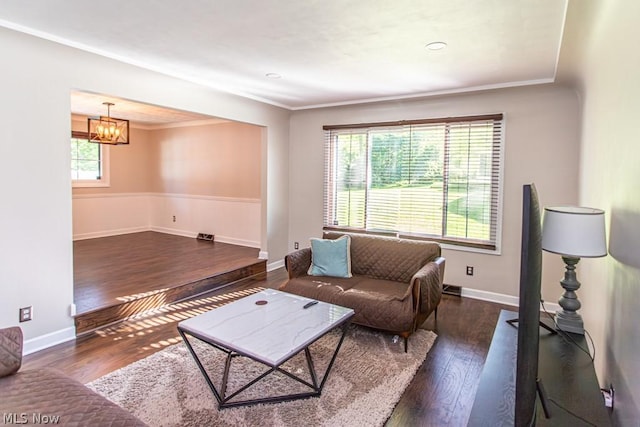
x=89, y=162
x=437, y=179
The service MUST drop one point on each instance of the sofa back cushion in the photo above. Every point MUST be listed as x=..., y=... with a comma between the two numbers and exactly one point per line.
x=388, y=258
x=10, y=350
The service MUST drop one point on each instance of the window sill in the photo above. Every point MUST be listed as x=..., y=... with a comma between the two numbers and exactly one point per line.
x=459, y=248
x=448, y=244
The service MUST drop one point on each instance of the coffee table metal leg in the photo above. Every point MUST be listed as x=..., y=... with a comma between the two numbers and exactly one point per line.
x=244, y=387
x=202, y=370
x=335, y=354
x=225, y=375
x=312, y=369
x=224, y=400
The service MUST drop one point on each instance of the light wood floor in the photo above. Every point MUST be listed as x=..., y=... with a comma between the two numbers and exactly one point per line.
x=441, y=394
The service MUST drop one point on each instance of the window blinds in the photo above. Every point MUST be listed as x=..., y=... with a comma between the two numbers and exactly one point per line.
x=436, y=178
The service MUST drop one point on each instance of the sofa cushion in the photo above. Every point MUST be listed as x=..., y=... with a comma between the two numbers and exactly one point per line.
x=47, y=392
x=10, y=350
x=331, y=257
x=388, y=258
x=381, y=304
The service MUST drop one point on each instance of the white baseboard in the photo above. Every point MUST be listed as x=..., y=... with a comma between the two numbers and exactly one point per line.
x=275, y=265
x=490, y=296
x=108, y=233
x=503, y=299
x=174, y=231
x=48, y=340
x=239, y=242
x=552, y=307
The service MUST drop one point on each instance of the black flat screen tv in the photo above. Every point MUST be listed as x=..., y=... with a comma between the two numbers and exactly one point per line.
x=529, y=309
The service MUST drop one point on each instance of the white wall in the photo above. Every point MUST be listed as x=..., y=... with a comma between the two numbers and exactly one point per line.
x=35, y=230
x=213, y=170
x=541, y=142
x=231, y=220
x=36, y=245
x=109, y=214
x=606, y=34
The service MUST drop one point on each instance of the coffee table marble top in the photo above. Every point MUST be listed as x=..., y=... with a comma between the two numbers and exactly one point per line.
x=270, y=333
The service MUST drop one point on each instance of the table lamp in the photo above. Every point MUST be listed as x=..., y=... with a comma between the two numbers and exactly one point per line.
x=574, y=233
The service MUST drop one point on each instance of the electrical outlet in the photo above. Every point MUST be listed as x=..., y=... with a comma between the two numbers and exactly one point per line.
x=174, y=218
x=296, y=245
x=608, y=396
x=26, y=314
x=469, y=270
x=612, y=394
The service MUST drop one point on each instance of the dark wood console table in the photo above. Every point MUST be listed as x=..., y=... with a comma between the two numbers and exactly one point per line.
x=567, y=374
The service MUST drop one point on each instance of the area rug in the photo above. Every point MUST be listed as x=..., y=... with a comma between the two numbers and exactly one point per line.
x=368, y=378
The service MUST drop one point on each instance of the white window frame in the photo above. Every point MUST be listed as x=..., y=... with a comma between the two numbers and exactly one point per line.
x=493, y=246
x=104, y=180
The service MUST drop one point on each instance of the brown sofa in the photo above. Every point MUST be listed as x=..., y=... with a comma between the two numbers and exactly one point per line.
x=395, y=286
x=46, y=396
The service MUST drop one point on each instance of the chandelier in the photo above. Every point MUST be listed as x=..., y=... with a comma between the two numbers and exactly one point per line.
x=108, y=130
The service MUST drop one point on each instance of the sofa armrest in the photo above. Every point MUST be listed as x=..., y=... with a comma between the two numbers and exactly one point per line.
x=427, y=286
x=440, y=261
x=297, y=263
x=10, y=350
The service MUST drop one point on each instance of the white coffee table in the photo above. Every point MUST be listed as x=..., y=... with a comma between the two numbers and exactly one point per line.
x=270, y=333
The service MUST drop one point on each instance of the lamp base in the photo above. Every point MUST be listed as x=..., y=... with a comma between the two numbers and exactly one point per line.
x=568, y=319
x=570, y=322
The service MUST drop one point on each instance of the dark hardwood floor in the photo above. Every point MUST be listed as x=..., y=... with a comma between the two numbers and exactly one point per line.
x=441, y=394
x=111, y=270
x=443, y=390
x=119, y=276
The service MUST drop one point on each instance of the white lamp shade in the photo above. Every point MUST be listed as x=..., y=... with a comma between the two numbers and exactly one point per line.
x=574, y=232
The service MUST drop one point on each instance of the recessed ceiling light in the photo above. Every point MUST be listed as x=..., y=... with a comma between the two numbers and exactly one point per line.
x=436, y=45
x=273, y=75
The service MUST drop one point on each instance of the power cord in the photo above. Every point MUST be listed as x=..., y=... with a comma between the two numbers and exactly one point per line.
x=573, y=414
x=568, y=337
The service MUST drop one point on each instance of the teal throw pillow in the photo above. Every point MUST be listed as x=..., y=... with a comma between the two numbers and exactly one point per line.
x=331, y=257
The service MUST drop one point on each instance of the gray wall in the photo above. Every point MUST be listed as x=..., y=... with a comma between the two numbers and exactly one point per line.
x=541, y=139
x=36, y=246
x=600, y=56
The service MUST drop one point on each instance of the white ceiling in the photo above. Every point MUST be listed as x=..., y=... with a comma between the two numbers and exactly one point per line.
x=139, y=114
x=328, y=52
